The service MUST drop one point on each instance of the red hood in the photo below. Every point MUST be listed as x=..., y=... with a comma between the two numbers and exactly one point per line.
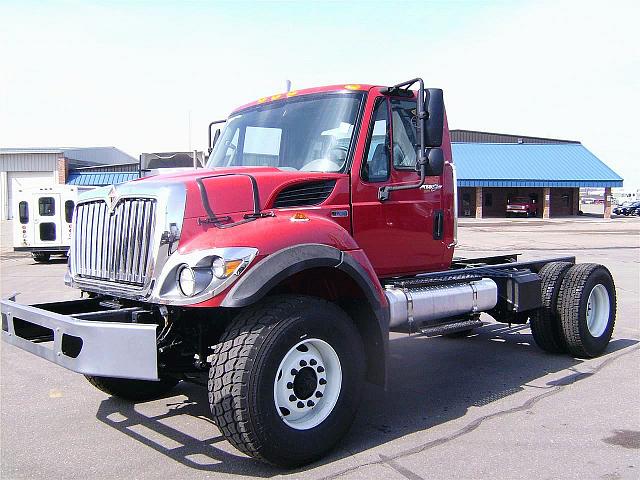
x=230, y=190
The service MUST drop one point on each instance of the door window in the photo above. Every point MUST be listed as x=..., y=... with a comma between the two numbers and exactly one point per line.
x=403, y=113
x=376, y=167
x=47, y=231
x=47, y=206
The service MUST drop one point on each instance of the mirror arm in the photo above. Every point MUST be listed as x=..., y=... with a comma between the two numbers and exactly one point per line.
x=215, y=122
x=383, y=192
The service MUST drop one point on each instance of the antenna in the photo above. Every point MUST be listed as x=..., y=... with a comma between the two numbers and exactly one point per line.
x=288, y=83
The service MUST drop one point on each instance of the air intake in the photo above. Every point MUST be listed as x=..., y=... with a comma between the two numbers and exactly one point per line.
x=305, y=194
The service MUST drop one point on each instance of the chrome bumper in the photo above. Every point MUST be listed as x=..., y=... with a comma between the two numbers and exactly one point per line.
x=91, y=347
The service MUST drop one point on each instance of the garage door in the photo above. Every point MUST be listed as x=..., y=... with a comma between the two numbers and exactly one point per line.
x=26, y=181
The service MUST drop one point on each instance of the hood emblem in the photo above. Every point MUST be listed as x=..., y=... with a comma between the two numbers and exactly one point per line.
x=112, y=199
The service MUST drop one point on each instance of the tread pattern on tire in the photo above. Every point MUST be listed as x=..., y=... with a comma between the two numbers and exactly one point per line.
x=569, y=306
x=545, y=324
x=233, y=358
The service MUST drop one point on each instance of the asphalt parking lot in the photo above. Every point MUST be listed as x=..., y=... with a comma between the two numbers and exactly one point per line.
x=489, y=406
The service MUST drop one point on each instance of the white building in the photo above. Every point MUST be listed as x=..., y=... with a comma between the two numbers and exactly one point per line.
x=27, y=168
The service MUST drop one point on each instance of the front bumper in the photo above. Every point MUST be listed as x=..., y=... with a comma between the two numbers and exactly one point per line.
x=75, y=336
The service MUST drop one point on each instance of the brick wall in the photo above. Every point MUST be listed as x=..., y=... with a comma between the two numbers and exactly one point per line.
x=63, y=170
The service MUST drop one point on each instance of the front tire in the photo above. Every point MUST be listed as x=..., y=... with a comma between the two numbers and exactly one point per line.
x=286, y=379
x=587, y=307
x=41, y=257
x=133, y=390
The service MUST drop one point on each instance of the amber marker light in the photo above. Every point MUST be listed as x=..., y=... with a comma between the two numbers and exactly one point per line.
x=353, y=87
x=299, y=217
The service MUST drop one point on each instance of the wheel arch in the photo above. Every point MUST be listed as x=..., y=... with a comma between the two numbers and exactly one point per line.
x=325, y=272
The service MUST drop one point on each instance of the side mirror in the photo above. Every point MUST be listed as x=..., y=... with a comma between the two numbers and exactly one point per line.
x=433, y=124
x=435, y=162
x=212, y=140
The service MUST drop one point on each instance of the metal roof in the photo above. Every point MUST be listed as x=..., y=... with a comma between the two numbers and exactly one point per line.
x=77, y=156
x=477, y=136
x=530, y=165
x=100, y=179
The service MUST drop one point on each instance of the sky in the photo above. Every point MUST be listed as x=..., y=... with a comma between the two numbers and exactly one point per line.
x=150, y=76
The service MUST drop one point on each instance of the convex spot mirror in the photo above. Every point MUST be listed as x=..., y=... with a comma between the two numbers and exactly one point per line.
x=435, y=162
x=433, y=124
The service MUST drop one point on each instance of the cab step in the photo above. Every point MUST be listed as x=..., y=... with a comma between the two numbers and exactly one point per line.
x=450, y=327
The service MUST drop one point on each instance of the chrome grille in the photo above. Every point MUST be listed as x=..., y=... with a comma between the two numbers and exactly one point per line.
x=114, y=246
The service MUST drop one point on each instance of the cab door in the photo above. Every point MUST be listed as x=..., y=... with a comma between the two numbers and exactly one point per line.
x=404, y=234
x=46, y=218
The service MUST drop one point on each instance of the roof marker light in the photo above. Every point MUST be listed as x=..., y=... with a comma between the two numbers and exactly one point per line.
x=353, y=87
x=292, y=94
x=262, y=100
x=276, y=96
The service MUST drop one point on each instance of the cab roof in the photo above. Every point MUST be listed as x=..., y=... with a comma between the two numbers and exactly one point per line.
x=346, y=87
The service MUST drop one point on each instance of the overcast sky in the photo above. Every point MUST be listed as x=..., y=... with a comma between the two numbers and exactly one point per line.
x=132, y=74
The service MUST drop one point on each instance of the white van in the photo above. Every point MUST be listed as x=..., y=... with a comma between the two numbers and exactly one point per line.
x=42, y=220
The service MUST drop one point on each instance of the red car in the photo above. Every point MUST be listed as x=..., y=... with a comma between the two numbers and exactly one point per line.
x=522, y=206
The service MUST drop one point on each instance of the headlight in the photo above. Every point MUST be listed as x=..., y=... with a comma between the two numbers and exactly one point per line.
x=187, y=281
x=196, y=276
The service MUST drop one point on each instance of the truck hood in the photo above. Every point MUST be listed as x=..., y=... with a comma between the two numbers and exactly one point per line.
x=232, y=190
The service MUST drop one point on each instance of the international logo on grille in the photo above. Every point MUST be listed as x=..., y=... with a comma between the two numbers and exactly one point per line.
x=112, y=199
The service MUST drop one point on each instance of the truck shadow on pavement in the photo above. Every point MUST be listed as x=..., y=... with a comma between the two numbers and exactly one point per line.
x=431, y=381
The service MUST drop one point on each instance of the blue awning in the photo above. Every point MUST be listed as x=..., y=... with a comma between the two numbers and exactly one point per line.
x=100, y=179
x=530, y=165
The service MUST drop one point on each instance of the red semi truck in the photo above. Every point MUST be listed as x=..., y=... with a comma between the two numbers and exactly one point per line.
x=325, y=218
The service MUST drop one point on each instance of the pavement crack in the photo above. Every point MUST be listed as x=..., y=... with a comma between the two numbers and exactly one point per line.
x=559, y=385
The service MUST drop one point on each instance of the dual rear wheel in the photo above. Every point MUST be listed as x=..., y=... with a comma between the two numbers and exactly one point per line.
x=578, y=309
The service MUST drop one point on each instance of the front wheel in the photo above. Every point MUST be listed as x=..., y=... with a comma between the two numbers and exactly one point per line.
x=41, y=257
x=286, y=379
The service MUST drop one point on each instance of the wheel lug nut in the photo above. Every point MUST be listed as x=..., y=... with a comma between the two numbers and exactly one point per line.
x=292, y=398
x=294, y=371
x=322, y=381
x=303, y=363
x=320, y=369
x=300, y=405
x=289, y=385
x=310, y=403
x=318, y=394
x=313, y=361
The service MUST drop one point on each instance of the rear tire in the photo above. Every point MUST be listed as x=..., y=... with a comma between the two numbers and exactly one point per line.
x=262, y=402
x=587, y=307
x=41, y=257
x=545, y=322
x=134, y=390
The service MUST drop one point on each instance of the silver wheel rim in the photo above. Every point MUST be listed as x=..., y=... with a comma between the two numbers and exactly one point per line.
x=598, y=310
x=307, y=384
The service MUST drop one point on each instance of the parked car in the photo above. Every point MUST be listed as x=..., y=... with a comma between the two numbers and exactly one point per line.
x=627, y=208
x=522, y=206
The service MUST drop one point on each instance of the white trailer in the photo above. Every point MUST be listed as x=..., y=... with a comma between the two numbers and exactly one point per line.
x=42, y=220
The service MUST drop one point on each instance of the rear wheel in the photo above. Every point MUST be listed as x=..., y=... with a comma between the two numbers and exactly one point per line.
x=545, y=322
x=587, y=307
x=41, y=257
x=286, y=379
x=135, y=390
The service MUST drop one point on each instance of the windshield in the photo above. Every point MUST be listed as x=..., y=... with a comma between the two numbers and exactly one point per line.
x=310, y=133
